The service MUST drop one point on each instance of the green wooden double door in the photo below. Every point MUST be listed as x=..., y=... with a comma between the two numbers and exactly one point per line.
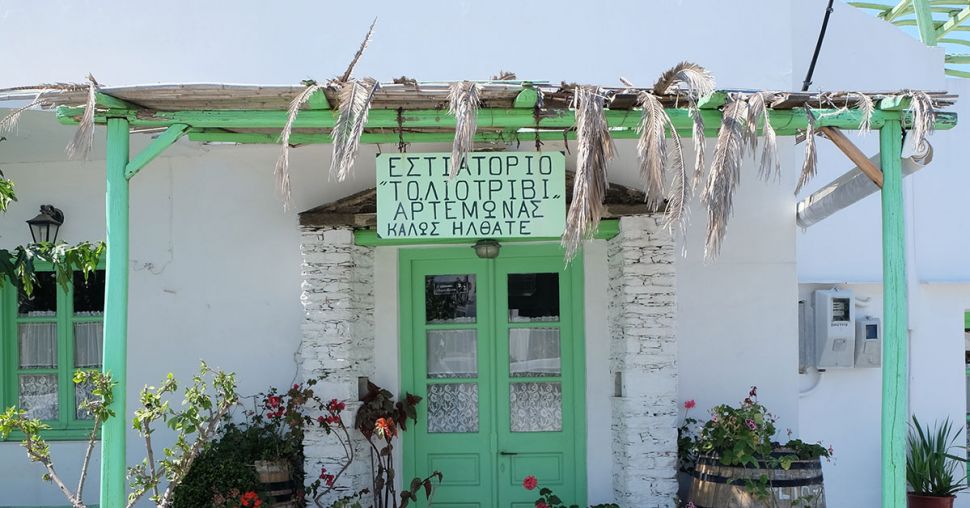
x=495, y=348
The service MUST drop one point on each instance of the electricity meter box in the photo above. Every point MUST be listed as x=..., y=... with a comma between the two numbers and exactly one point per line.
x=835, y=330
x=868, y=342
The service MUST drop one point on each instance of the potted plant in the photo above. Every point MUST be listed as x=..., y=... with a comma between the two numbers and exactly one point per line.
x=734, y=462
x=931, y=468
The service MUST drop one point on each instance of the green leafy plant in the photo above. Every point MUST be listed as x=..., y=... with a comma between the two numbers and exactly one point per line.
x=97, y=405
x=742, y=436
x=206, y=401
x=931, y=467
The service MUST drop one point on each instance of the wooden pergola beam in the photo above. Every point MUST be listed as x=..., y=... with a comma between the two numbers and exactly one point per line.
x=854, y=154
x=786, y=122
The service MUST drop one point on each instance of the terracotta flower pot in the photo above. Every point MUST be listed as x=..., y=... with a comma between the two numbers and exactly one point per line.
x=914, y=501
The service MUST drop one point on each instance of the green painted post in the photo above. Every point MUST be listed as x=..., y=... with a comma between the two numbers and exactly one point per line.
x=924, y=22
x=895, y=366
x=113, y=461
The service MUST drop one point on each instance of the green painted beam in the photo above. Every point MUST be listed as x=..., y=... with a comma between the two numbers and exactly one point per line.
x=955, y=20
x=714, y=100
x=949, y=40
x=924, y=21
x=163, y=141
x=785, y=122
x=526, y=99
x=106, y=101
x=115, y=355
x=895, y=366
x=318, y=100
x=957, y=73
x=608, y=228
x=957, y=59
x=900, y=8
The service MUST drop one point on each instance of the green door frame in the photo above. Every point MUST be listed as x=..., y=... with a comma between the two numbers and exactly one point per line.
x=574, y=314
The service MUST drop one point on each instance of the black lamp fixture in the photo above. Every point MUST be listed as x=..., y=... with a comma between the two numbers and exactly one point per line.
x=487, y=249
x=44, y=227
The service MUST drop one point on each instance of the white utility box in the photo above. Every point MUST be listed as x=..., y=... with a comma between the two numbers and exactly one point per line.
x=868, y=342
x=835, y=331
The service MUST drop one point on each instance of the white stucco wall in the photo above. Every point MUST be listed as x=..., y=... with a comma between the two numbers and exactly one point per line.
x=844, y=408
x=202, y=216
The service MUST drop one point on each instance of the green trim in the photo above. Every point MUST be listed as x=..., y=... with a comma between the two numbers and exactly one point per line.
x=785, y=122
x=895, y=370
x=163, y=141
x=924, y=21
x=527, y=98
x=966, y=320
x=67, y=427
x=608, y=228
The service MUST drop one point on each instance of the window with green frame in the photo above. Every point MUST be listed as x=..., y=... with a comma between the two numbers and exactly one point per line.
x=45, y=338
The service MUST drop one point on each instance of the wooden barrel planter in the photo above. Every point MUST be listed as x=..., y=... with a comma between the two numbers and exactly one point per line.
x=718, y=486
x=275, y=482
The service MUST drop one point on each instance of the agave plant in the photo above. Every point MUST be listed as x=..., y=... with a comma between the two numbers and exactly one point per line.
x=931, y=467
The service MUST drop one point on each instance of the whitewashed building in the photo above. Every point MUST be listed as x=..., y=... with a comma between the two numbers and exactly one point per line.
x=219, y=272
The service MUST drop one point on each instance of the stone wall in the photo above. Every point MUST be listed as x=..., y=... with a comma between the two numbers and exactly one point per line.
x=338, y=341
x=643, y=356
x=338, y=345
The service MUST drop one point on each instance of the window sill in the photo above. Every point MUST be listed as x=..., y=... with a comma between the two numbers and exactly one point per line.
x=54, y=435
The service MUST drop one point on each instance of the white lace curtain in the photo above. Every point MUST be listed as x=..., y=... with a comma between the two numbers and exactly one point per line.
x=38, y=345
x=88, y=338
x=534, y=351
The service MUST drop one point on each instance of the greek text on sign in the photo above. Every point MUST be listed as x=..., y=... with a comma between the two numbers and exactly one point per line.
x=494, y=194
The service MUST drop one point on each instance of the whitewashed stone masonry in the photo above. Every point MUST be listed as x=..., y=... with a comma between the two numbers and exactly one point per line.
x=644, y=354
x=338, y=340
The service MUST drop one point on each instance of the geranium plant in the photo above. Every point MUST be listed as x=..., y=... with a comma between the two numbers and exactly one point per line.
x=549, y=499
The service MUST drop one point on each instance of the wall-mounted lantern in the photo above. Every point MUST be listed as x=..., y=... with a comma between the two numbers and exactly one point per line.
x=44, y=227
x=487, y=249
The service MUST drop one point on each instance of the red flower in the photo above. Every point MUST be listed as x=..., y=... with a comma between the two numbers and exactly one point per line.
x=541, y=504
x=251, y=499
x=385, y=428
x=320, y=420
x=296, y=387
x=336, y=406
x=530, y=483
x=273, y=401
x=690, y=404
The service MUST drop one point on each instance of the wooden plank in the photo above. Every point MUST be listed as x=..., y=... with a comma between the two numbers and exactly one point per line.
x=895, y=367
x=854, y=154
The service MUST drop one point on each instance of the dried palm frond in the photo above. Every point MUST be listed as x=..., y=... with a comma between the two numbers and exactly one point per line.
x=700, y=139
x=923, y=116
x=678, y=198
x=811, y=157
x=9, y=122
x=698, y=83
x=84, y=136
x=595, y=149
x=345, y=77
x=504, y=76
x=725, y=174
x=758, y=114
x=866, y=107
x=463, y=102
x=282, y=172
x=695, y=78
x=652, y=147
x=355, y=98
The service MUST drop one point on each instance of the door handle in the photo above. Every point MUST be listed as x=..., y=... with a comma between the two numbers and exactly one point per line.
x=508, y=453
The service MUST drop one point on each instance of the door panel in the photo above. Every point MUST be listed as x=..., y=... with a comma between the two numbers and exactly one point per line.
x=493, y=347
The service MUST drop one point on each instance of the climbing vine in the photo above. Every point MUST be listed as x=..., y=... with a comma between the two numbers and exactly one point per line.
x=18, y=266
